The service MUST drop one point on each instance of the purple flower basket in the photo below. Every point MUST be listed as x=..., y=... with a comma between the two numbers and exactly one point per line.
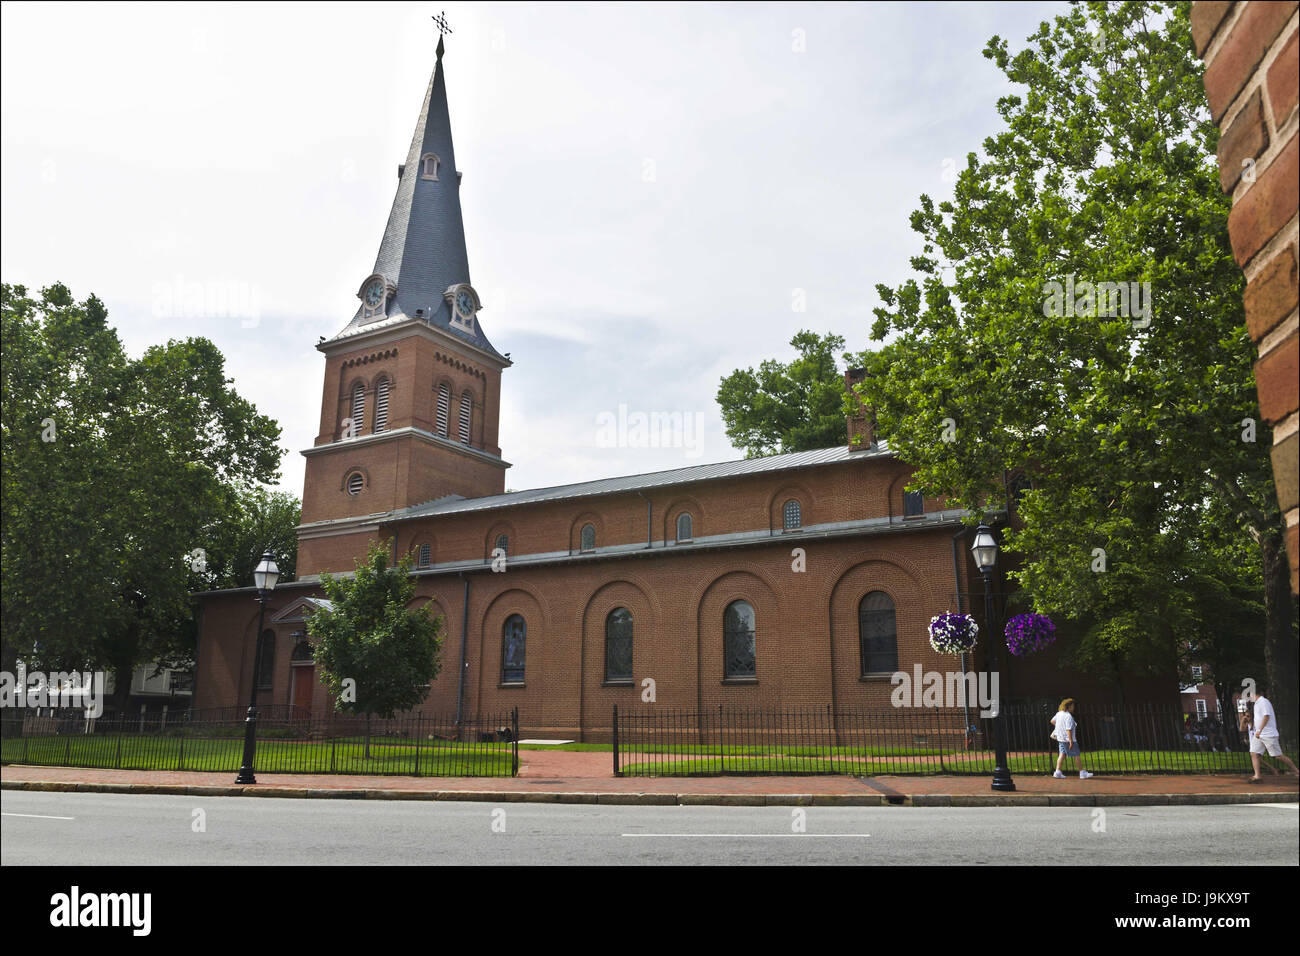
x=1027, y=633
x=952, y=633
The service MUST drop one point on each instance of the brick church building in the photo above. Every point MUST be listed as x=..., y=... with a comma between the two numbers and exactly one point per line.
x=796, y=580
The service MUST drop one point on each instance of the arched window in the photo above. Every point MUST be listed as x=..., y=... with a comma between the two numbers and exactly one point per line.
x=302, y=654
x=381, y=404
x=793, y=515
x=426, y=553
x=738, y=638
x=913, y=504
x=513, y=634
x=444, y=408
x=878, y=634
x=683, y=527
x=358, y=409
x=618, y=645
x=588, y=537
x=429, y=163
x=503, y=543
x=466, y=410
x=355, y=483
x=266, y=660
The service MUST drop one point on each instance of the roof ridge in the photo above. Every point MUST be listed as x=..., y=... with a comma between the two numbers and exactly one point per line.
x=706, y=471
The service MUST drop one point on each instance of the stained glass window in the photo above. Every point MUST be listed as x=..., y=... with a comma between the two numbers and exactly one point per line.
x=878, y=634
x=618, y=645
x=738, y=630
x=513, y=634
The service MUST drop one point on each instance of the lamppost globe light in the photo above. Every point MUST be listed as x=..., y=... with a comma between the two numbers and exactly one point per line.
x=984, y=548
x=267, y=573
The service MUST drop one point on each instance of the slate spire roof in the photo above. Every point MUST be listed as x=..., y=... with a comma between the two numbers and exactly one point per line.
x=423, y=248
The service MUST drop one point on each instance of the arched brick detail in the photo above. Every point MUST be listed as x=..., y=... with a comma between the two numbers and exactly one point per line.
x=807, y=505
x=527, y=602
x=593, y=518
x=739, y=585
x=649, y=657
x=499, y=528
x=688, y=503
x=914, y=605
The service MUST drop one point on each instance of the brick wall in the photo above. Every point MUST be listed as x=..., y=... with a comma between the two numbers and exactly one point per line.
x=1251, y=70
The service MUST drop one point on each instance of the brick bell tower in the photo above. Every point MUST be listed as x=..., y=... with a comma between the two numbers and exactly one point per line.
x=411, y=402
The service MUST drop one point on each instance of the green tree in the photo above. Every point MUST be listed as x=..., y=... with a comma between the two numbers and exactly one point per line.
x=1129, y=413
x=115, y=471
x=785, y=407
x=255, y=520
x=377, y=655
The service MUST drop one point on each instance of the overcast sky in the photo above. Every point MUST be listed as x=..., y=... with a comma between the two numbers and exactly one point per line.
x=650, y=192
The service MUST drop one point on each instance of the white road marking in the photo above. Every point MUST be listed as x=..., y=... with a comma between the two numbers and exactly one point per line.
x=753, y=836
x=35, y=816
x=1278, y=806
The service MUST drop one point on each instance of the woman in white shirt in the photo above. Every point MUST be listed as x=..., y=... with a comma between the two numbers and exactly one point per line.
x=1063, y=732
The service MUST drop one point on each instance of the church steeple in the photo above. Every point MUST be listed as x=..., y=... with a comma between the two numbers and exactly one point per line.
x=422, y=269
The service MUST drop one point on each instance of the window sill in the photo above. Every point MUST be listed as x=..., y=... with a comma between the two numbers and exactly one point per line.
x=871, y=678
x=618, y=683
x=912, y=517
x=740, y=680
x=504, y=686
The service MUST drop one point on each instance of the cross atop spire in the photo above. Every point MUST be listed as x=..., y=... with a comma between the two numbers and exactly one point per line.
x=441, y=22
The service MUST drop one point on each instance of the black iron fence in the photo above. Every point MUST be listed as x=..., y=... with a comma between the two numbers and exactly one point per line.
x=908, y=740
x=287, y=742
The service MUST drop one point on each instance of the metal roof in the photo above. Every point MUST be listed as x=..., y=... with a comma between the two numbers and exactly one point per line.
x=454, y=504
x=423, y=249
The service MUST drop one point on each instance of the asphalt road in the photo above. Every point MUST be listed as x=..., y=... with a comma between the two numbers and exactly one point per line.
x=99, y=828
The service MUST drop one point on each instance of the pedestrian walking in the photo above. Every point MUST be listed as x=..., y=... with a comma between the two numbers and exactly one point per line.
x=1065, y=733
x=1264, y=738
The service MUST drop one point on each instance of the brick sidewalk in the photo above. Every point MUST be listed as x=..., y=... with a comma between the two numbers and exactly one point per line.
x=585, y=777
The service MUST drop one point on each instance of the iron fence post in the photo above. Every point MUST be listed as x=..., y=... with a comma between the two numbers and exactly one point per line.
x=617, y=772
x=514, y=727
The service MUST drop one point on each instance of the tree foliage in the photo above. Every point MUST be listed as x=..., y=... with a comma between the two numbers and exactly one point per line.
x=115, y=470
x=1131, y=425
x=787, y=406
x=377, y=655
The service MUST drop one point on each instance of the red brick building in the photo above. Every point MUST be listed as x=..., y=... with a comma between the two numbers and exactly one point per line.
x=796, y=580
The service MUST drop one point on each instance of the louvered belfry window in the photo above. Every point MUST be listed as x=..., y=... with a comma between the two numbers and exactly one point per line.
x=358, y=408
x=355, y=483
x=466, y=410
x=444, y=405
x=381, y=405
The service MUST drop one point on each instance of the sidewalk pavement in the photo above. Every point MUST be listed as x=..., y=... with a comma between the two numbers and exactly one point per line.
x=586, y=777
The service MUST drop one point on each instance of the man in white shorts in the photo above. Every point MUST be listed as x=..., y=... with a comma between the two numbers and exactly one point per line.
x=1264, y=738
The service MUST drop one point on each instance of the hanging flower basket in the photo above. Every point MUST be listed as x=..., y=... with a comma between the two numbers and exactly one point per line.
x=1027, y=633
x=953, y=633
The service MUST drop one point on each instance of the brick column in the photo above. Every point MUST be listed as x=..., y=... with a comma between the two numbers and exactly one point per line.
x=1251, y=82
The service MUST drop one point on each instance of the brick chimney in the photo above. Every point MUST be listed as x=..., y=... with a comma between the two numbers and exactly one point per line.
x=862, y=425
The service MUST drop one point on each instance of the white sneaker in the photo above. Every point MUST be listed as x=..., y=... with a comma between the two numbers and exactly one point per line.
x=1084, y=775
x=1058, y=775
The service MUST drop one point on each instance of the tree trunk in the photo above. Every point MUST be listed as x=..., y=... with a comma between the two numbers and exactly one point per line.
x=122, y=675
x=1281, y=659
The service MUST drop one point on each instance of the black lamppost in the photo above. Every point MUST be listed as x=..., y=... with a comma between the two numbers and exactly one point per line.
x=265, y=576
x=985, y=551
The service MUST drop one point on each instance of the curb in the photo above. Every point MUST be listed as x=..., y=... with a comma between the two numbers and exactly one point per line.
x=672, y=799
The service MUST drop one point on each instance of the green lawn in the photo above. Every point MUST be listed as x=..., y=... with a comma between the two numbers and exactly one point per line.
x=864, y=762
x=183, y=752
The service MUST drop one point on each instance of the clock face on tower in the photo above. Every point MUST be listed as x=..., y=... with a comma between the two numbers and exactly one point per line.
x=374, y=293
x=464, y=304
